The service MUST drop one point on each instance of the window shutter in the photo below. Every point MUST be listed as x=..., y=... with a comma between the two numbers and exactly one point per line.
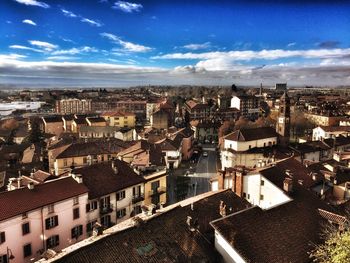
x=73, y=232
x=48, y=243
x=56, y=220
x=47, y=223
x=57, y=240
x=3, y=237
x=23, y=229
x=88, y=207
x=80, y=229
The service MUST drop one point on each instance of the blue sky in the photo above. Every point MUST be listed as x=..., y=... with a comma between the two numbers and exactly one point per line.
x=119, y=43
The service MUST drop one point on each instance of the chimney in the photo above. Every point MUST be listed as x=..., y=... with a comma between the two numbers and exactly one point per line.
x=78, y=178
x=114, y=167
x=30, y=185
x=222, y=209
x=288, y=185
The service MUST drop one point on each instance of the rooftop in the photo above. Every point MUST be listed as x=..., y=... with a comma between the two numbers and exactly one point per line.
x=252, y=134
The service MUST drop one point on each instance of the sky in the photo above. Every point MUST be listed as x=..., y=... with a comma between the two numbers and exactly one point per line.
x=52, y=43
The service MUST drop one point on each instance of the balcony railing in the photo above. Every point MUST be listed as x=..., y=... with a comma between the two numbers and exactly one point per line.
x=106, y=209
x=138, y=198
x=160, y=190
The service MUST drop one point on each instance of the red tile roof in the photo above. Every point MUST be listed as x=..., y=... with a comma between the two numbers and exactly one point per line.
x=252, y=134
x=17, y=202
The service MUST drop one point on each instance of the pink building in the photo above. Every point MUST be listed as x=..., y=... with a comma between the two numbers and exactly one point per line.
x=39, y=217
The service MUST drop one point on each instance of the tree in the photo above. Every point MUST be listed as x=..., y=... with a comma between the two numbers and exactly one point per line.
x=35, y=135
x=9, y=124
x=335, y=249
x=226, y=128
x=242, y=123
x=234, y=88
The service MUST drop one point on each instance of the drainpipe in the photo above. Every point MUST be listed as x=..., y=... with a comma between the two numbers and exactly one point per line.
x=42, y=228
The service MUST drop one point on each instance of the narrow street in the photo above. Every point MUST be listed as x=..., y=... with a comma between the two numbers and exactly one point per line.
x=194, y=179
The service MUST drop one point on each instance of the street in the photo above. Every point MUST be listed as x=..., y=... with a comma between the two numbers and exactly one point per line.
x=194, y=179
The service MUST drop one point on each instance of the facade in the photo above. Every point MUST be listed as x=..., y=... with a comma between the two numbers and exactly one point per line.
x=248, y=106
x=196, y=111
x=73, y=106
x=120, y=119
x=160, y=120
x=323, y=119
x=53, y=125
x=249, y=147
x=325, y=132
x=156, y=188
x=134, y=106
x=116, y=193
x=206, y=131
x=47, y=216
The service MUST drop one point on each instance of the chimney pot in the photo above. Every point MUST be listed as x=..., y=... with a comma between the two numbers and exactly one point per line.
x=31, y=185
x=288, y=185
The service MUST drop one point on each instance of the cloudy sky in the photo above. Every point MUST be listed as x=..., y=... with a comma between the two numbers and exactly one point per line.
x=118, y=43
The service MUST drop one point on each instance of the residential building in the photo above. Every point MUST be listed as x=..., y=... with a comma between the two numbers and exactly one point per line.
x=73, y=106
x=247, y=104
x=323, y=118
x=138, y=107
x=86, y=153
x=160, y=120
x=96, y=121
x=120, y=119
x=205, y=131
x=171, y=151
x=249, y=147
x=40, y=217
x=52, y=125
x=325, y=132
x=116, y=193
x=124, y=134
x=77, y=123
x=196, y=111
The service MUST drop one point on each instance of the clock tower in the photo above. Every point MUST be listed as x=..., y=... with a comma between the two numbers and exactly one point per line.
x=283, y=121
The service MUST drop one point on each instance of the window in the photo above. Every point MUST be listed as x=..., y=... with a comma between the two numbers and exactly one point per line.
x=53, y=241
x=138, y=209
x=24, y=215
x=248, y=196
x=84, y=160
x=244, y=195
x=51, y=222
x=25, y=228
x=91, y=206
x=27, y=250
x=76, y=213
x=120, y=195
x=90, y=226
x=51, y=208
x=64, y=162
x=262, y=182
x=77, y=231
x=261, y=197
x=121, y=213
x=75, y=200
x=2, y=237
x=3, y=259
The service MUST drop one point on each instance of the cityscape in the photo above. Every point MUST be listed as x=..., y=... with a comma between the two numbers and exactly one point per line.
x=174, y=131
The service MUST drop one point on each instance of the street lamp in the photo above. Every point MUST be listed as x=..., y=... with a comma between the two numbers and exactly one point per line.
x=9, y=254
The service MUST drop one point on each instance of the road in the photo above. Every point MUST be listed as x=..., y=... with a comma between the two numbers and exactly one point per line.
x=183, y=184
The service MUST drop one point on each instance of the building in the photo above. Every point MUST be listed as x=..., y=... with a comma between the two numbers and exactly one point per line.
x=120, y=119
x=205, y=131
x=52, y=125
x=171, y=152
x=116, y=193
x=283, y=122
x=196, y=111
x=285, y=223
x=249, y=147
x=325, y=132
x=39, y=217
x=178, y=233
x=138, y=107
x=124, y=134
x=160, y=120
x=96, y=121
x=86, y=153
x=281, y=87
x=323, y=119
x=247, y=104
x=73, y=106
x=77, y=123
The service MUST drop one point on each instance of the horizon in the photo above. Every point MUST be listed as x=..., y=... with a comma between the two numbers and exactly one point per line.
x=105, y=43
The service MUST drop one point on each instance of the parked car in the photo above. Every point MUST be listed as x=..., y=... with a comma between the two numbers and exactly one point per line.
x=205, y=154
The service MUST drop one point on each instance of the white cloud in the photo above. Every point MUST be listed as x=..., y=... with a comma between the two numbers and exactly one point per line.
x=29, y=22
x=61, y=58
x=127, y=7
x=44, y=45
x=11, y=57
x=74, y=51
x=33, y=3
x=91, y=22
x=263, y=54
x=127, y=46
x=291, y=44
x=25, y=48
x=198, y=46
x=68, y=13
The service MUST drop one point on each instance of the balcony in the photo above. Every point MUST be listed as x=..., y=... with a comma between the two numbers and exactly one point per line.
x=160, y=190
x=138, y=198
x=106, y=209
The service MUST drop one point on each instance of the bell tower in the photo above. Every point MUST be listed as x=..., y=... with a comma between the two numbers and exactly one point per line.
x=283, y=121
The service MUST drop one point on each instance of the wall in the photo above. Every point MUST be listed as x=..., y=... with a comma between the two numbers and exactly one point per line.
x=244, y=146
x=13, y=228
x=229, y=254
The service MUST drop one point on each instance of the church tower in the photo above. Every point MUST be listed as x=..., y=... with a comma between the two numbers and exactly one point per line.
x=283, y=121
